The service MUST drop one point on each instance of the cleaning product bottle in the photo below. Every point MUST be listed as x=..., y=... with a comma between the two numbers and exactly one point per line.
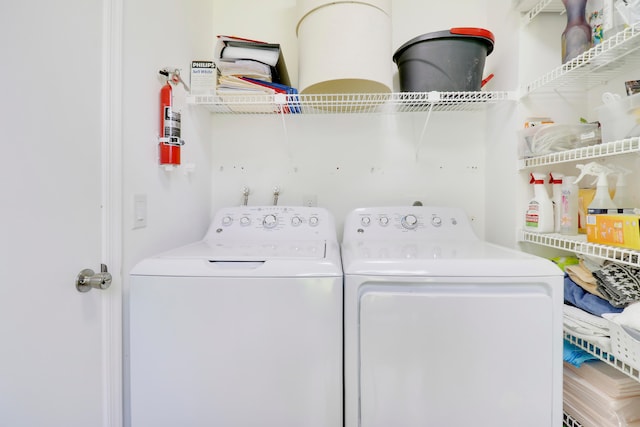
x=555, y=179
x=576, y=37
x=539, y=215
x=622, y=198
x=569, y=206
x=602, y=202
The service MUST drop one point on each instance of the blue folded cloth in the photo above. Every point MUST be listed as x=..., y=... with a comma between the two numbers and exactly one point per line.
x=575, y=355
x=577, y=296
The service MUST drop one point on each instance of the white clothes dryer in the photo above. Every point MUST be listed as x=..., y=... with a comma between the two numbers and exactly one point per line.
x=444, y=329
x=243, y=328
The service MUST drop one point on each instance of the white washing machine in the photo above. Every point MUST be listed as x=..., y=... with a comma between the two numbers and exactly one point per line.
x=443, y=329
x=243, y=328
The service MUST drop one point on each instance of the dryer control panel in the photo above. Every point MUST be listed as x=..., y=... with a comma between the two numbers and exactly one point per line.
x=272, y=223
x=406, y=222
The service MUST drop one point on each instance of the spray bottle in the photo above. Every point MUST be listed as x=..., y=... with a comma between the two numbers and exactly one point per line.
x=555, y=179
x=569, y=206
x=539, y=215
x=602, y=202
x=622, y=198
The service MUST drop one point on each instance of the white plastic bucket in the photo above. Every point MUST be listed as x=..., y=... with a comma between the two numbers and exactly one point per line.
x=344, y=47
x=304, y=7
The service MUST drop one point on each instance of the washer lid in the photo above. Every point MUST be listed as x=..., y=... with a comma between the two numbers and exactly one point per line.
x=252, y=250
x=458, y=258
x=246, y=259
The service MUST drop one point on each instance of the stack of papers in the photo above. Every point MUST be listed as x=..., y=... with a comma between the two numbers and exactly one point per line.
x=598, y=395
x=252, y=68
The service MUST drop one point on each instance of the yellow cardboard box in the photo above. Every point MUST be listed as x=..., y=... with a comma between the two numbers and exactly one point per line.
x=614, y=229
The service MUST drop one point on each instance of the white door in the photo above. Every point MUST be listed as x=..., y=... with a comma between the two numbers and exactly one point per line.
x=58, y=347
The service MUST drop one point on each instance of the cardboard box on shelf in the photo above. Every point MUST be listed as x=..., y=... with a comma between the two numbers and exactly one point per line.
x=614, y=229
x=203, y=77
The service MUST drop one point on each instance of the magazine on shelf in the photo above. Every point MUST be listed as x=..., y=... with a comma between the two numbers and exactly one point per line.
x=243, y=95
x=231, y=48
x=293, y=101
x=247, y=68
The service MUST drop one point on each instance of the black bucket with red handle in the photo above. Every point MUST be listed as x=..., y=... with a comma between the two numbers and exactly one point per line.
x=446, y=61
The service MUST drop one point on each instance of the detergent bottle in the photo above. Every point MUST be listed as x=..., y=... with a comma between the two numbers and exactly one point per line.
x=622, y=198
x=539, y=215
x=555, y=179
x=602, y=203
x=569, y=206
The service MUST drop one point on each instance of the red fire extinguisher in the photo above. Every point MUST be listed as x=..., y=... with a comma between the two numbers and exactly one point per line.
x=169, y=142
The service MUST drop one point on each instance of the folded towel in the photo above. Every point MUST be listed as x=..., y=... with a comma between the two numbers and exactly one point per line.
x=585, y=322
x=590, y=303
x=588, y=327
x=575, y=355
x=619, y=284
x=583, y=277
x=629, y=317
x=591, y=263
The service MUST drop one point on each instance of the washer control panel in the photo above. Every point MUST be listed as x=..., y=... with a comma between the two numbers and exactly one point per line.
x=272, y=222
x=423, y=222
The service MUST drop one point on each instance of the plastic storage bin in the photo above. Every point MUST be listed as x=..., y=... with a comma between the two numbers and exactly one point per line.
x=620, y=119
x=624, y=346
x=552, y=138
x=446, y=61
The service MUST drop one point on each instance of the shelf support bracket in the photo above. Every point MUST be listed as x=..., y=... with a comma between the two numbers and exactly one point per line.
x=432, y=98
x=281, y=101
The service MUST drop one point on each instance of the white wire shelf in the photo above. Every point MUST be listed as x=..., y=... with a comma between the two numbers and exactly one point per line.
x=594, y=67
x=603, y=355
x=613, y=148
x=579, y=245
x=357, y=103
x=543, y=6
x=568, y=421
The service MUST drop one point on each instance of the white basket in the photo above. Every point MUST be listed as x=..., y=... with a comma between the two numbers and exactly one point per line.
x=624, y=347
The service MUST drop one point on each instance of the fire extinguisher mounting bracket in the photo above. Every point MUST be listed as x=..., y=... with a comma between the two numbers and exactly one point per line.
x=171, y=140
x=172, y=76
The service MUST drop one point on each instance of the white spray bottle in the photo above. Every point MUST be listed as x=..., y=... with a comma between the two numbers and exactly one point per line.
x=539, y=215
x=622, y=198
x=555, y=179
x=569, y=206
x=602, y=202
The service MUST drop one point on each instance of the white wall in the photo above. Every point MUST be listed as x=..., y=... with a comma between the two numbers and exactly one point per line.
x=351, y=161
x=501, y=175
x=179, y=204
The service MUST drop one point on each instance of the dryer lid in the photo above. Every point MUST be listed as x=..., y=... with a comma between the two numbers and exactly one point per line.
x=441, y=258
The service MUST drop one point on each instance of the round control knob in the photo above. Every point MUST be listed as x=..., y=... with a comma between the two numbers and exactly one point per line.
x=270, y=221
x=296, y=221
x=365, y=221
x=436, y=221
x=314, y=221
x=245, y=221
x=384, y=221
x=410, y=222
x=227, y=221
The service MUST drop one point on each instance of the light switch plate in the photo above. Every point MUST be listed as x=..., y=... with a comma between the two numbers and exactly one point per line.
x=139, y=211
